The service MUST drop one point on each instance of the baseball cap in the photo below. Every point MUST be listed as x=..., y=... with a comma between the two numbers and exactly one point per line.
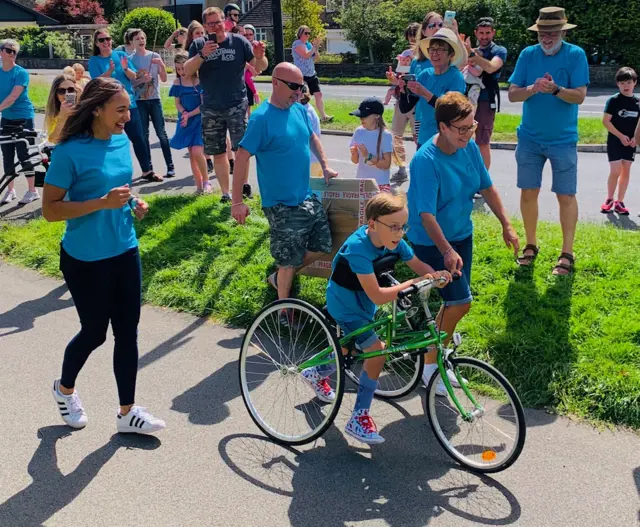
x=368, y=107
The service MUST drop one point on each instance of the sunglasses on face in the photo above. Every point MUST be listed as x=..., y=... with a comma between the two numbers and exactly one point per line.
x=62, y=91
x=102, y=40
x=234, y=15
x=395, y=228
x=434, y=25
x=307, y=33
x=293, y=86
x=10, y=51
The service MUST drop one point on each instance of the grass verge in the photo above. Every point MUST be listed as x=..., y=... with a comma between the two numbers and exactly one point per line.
x=590, y=130
x=572, y=344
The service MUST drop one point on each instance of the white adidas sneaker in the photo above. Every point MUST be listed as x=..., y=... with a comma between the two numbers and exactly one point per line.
x=70, y=407
x=139, y=421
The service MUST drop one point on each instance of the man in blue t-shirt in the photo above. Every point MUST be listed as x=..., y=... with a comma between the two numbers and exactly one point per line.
x=551, y=78
x=490, y=57
x=279, y=134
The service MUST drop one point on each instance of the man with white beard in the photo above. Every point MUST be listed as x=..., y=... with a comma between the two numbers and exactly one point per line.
x=551, y=79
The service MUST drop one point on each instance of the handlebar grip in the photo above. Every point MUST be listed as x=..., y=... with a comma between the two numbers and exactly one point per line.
x=408, y=291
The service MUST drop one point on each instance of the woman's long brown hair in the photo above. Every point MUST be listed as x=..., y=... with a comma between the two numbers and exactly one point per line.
x=53, y=103
x=190, y=30
x=425, y=22
x=95, y=95
x=96, y=49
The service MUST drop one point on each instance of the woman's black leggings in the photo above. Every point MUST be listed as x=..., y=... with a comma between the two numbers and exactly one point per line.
x=105, y=291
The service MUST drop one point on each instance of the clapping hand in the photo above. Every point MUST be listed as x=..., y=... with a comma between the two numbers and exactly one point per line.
x=124, y=62
x=258, y=49
x=112, y=65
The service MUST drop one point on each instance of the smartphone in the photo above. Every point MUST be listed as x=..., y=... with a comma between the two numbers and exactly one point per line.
x=409, y=77
x=213, y=38
x=448, y=18
x=70, y=98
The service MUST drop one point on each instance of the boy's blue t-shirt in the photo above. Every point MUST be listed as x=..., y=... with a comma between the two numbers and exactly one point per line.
x=444, y=185
x=418, y=66
x=547, y=119
x=89, y=168
x=345, y=305
x=280, y=141
x=450, y=80
x=98, y=65
x=22, y=107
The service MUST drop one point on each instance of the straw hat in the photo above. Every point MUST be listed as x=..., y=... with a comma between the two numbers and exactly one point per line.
x=450, y=38
x=551, y=19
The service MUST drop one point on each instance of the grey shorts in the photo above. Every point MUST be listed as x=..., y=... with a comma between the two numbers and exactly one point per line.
x=296, y=230
x=216, y=123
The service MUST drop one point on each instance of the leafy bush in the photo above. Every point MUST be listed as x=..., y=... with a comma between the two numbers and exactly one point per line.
x=34, y=42
x=117, y=29
x=156, y=23
x=73, y=11
x=301, y=13
x=329, y=58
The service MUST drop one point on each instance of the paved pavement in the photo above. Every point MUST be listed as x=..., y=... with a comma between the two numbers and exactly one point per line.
x=212, y=467
x=592, y=107
x=593, y=172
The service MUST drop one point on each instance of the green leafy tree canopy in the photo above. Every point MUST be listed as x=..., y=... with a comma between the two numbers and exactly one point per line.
x=157, y=24
x=301, y=13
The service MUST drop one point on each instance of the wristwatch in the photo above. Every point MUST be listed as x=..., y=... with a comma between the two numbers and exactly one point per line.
x=472, y=54
x=557, y=90
x=201, y=55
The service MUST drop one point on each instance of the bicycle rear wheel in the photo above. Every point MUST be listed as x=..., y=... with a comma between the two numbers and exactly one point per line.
x=279, y=399
x=494, y=439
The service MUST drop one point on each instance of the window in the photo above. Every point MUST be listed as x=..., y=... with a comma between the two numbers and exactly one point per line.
x=247, y=5
x=261, y=34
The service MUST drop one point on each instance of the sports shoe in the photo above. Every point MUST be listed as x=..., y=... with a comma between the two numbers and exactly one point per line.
x=9, y=196
x=225, y=198
x=320, y=385
x=246, y=191
x=139, y=421
x=620, y=208
x=70, y=407
x=209, y=166
x=362, y=427
x=29, y=197
x=441, y=389
x=400, y=176
x=207, y=188
x=171, y=172
x=327, y=119
x=607, y=206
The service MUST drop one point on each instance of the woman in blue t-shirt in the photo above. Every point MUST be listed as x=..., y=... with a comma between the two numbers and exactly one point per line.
x=17, y=110
x=88, y=186
x=445, y=175
x=106, y=62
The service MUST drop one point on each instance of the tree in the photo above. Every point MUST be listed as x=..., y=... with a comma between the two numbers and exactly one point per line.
x=157, y=24
x=113, y=7
x=73, y=11
x=298, y=13
x=366, y=24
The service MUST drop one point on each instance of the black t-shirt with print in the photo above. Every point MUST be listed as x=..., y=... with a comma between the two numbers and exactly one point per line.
x=624, y=113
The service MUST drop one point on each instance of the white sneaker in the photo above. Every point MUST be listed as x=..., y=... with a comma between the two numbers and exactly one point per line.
x=427, y=373
x=139, y=421
x=320, y=385
x=9, y=196
x=362, y=427
x=29, y=197
x=70, y=407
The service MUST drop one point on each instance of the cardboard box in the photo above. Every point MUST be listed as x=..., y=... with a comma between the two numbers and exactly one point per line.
x=345, y=201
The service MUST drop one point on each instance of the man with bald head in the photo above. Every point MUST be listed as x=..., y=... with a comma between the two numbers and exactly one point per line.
x=279, y=134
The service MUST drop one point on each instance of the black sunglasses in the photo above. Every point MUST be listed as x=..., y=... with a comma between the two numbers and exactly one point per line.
x=234, y=15
x=102, y=40
x=435, y=24
x=307, y=33
x=10, y=51
x=293, y=86
x=62, y=91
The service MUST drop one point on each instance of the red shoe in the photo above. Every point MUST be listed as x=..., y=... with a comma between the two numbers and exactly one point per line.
x=607, y=206
x=621, y=209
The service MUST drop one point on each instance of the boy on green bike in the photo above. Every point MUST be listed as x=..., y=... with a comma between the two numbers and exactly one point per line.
x=353, y=294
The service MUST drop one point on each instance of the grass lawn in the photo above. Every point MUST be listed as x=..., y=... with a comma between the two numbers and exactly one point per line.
x=572, y=344
x=590, y=129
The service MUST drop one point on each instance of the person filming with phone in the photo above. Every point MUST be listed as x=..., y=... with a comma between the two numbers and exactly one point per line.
x=62, y=100
x=219, y=59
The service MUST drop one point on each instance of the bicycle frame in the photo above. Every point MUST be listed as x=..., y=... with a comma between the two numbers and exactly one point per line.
x=35, y=156
x=418, y=342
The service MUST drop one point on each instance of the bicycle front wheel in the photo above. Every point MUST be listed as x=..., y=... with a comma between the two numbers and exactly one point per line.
x=493, y=438
x=281, y=402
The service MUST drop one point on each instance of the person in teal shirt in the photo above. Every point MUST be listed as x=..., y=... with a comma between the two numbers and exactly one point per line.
x=17, y=111
x=551, y=79
x=88, y=186
x=106, y=62
x=445, y=174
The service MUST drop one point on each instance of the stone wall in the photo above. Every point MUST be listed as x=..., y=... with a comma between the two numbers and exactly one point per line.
x=50, y=64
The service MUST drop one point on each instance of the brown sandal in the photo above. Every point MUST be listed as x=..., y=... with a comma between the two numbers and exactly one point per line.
x=568, y=268
x=527, y=259
x=152, y=177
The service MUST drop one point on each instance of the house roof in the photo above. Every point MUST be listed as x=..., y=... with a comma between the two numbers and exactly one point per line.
x=29, y=7
x=260, y=16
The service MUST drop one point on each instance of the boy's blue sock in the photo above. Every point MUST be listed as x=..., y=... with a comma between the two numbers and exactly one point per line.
x=327, y=369
x=365, y=392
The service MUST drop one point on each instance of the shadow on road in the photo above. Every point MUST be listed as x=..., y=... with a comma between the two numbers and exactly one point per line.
x=622, y=222
x=177, y=341
x=636, y=477
x=22, y=317
x=406, y=481
x=51, y=490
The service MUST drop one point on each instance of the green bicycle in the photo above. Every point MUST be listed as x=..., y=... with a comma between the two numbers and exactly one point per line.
x=479, y=423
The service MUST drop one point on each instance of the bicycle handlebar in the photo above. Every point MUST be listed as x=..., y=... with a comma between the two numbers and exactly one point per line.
x=421, y=285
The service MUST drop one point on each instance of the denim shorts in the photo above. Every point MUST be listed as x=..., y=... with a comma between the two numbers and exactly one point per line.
x=531, y=158
x=364, y=340
x=457, y=292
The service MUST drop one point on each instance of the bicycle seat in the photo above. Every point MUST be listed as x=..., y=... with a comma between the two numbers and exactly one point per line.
x=385, y=264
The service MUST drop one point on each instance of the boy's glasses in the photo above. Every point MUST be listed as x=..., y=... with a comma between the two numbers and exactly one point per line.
x=396, y=228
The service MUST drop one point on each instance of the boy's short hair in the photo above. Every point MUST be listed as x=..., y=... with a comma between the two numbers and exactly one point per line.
x=626, y=74
x=485, y=21
x=385, y=203
x=451, y=107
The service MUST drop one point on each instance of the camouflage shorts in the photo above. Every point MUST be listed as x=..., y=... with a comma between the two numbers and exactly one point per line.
x=215, y=124
x=296, y=230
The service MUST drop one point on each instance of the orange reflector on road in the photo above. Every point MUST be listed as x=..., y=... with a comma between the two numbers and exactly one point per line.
x=488, y=455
